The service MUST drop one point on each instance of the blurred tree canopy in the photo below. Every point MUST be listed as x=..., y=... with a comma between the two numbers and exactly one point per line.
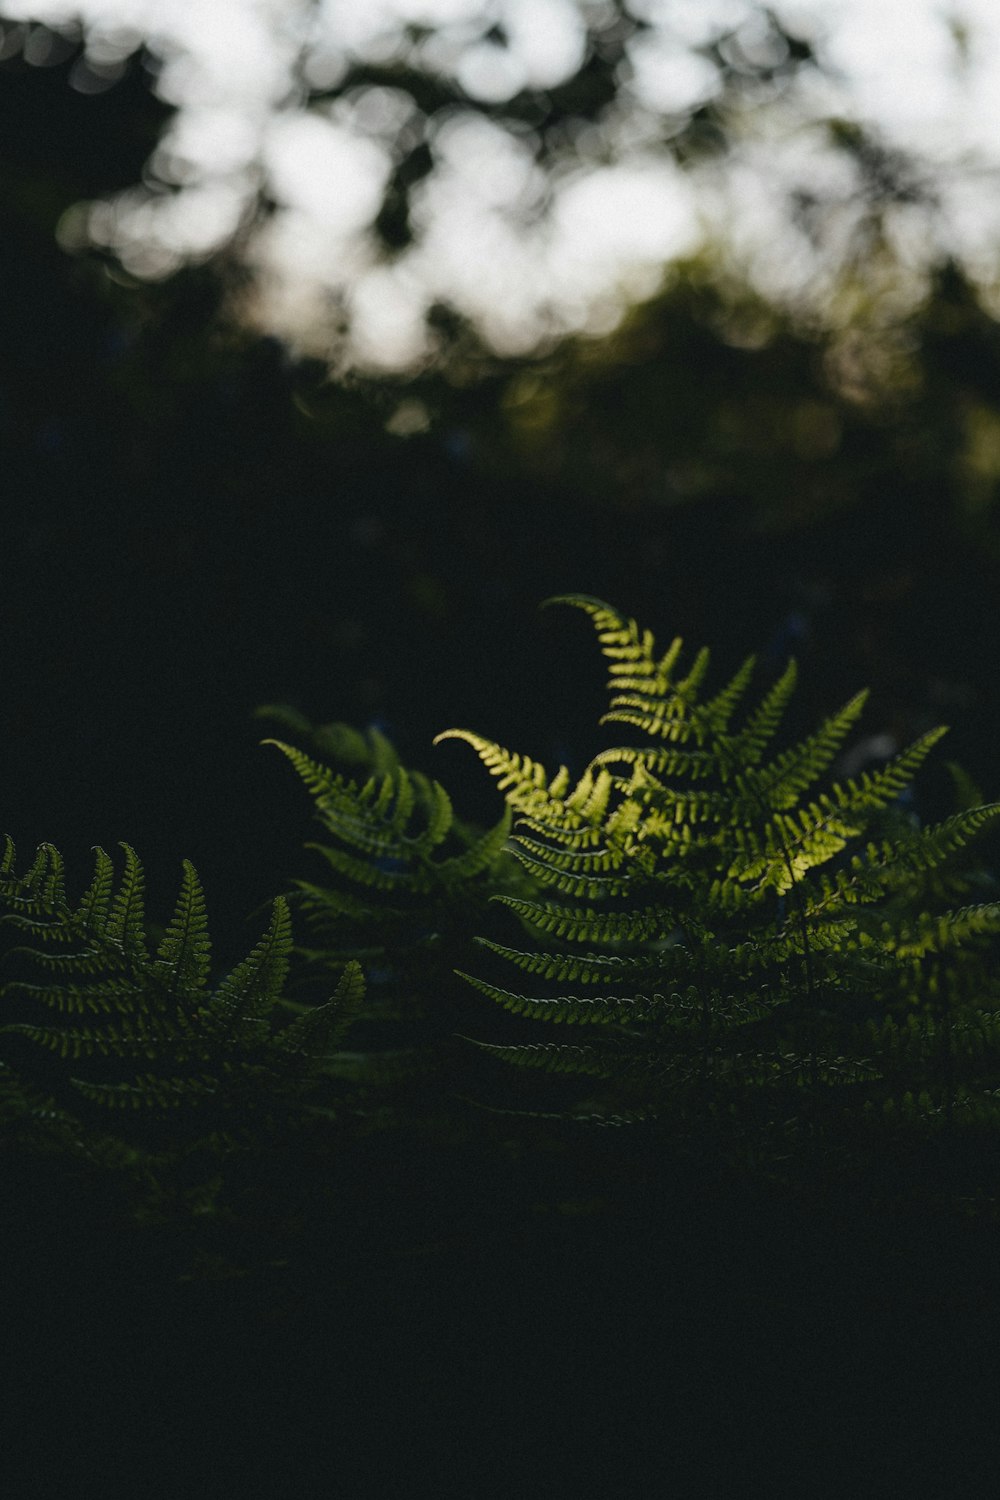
x=200, y=520
x=526, y=165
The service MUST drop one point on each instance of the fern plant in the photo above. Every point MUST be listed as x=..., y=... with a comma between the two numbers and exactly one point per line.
x=407, y=881
x=743, y=951
x=132, y=1059
x=406, y=886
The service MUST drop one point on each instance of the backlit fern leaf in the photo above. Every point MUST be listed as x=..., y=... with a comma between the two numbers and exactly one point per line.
x=761, y=726
x=748, y=929
x=781, y=783
x=525, y=784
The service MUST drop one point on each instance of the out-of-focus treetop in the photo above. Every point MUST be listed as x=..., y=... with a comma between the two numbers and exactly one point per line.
x=383, y=168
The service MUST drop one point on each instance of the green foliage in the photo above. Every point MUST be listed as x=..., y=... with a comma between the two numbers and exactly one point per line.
x=754, y=951
x=132, y=1057
x=410, y=882
x=766, y=963
x=408, y=885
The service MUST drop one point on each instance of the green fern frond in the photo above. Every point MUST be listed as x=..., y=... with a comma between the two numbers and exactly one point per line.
x=201, y=1044
x=481, y=857
x=405, y=879
x=589, y=798
x=729, y=877
x=747, y=748
x=651, y=761
x=127, y=1039
x=110, y=992
x=583, y=968
x=718, y=711
x=126, y=924
x=936, y=934
x=570, y=882
x=395, y=827
x=573, y=838
x=549, y=1057
x=873, y=790
x=329, y=907
x=185, y=952
x=38, y=891
x=97, y=897
x=523, y=781
x=580, y=863
x=148, y=1091
x=246, y=997
x=901, y=865
x=367, y=872
x=780, y=785
x=318, y=1032
x=600, y=1010
x=779, y=855
x=319, y=779
x=929, y=848
x=590, y=925
x=623, y=644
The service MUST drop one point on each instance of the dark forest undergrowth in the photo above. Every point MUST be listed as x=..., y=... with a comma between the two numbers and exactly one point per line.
x=545, y=1339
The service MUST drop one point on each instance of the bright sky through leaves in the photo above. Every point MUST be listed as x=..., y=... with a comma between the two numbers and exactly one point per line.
x=526, y=252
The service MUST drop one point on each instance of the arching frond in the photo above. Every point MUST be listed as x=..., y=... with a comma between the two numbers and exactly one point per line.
x=729, y=897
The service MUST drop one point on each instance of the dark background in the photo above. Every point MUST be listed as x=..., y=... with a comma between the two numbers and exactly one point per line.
x=193, y=523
